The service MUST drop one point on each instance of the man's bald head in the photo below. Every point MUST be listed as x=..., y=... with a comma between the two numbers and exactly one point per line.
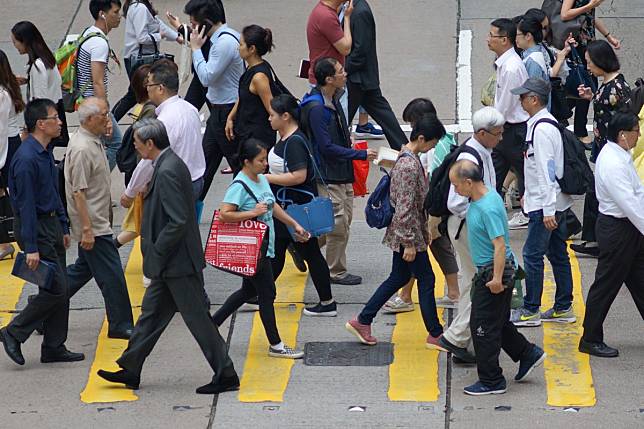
x=466, y=169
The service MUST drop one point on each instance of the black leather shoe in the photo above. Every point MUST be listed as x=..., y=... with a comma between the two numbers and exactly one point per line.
x=12, y=347
x=461, y=354
x=123, y=376
x=297, y=258
x=597, y=349
x=585, y=249
x=225, y=384
x=120, y=335
x=348, y=280
x=60, y=355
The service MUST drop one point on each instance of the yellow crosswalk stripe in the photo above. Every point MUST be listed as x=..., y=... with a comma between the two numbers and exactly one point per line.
x=10, y=291
x=568, y=374
x=265, y=378
x=413, y=375
x=107, y=349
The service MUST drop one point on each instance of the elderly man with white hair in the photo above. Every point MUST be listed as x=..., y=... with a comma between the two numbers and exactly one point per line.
x=89, y=204
x=488, y=130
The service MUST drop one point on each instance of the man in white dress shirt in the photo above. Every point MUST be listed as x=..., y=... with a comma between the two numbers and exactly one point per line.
x=620, y=232
x=547, y=208
x=488, y=130
x=183, y=125
x=510, y=73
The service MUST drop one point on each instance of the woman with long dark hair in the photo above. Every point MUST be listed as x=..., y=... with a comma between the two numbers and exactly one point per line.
x=11, y=104
x=249, y=117
x=613, y=95
x=292, y=180
x=42, y=78
x=143, y=33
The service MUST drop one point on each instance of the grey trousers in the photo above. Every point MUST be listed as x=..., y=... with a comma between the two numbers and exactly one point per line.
x=161, y=300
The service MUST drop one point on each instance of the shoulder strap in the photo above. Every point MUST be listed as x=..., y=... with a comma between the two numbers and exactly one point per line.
x=475, y=153
x=542, y=121
x=553, y=60
x=315, y=165
x=230, y=34
x=246, y=188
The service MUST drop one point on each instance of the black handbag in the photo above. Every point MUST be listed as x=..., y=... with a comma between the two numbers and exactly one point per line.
x=6, y=220
x=578, y=75
x=139, y=59
x=558, y=103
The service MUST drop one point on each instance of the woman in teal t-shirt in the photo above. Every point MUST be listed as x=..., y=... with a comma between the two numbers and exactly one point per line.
x=239, y=205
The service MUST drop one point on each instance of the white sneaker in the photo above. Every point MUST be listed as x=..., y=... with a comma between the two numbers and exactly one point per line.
x=446, y=302
x=146, y=281
x=285, y=353
x=518, y=221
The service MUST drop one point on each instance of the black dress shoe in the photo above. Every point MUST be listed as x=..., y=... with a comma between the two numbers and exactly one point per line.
x=123, y=376
x=461, y=354
x=60, y=355
x=348, y=280
x=297, y=258
x=120, y=335
x=585, y=249
x=12, y=347
x=225, y=384
x=597, y=349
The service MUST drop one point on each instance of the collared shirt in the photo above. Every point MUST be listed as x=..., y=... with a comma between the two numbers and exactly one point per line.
x=544, y=163
x=87, y=170
x=224, y=67
x=510, y=74
x=183, y=125
x=458, y=204
x=33, y=187
x=142, y=28
x=619, y=190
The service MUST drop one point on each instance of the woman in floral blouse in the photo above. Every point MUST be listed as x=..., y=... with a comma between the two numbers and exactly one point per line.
x=571, y=9
x=407, y=236
x=614, y=94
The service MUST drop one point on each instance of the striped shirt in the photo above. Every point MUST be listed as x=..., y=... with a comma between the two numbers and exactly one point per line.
x=95, y=49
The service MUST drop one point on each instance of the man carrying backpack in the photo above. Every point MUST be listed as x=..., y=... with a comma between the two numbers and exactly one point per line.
x=546, y=206
x=325, y=123
x=488, y=130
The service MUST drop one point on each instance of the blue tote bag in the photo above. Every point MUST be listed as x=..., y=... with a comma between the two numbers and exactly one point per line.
x=316, y=216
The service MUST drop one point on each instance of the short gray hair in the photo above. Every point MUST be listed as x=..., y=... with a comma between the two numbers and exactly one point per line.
x=487, y=118
x=152, y=129
x=90, y=106
x=543, y=99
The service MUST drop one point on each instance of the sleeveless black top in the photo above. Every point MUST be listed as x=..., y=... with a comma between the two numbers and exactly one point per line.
x=252, y=117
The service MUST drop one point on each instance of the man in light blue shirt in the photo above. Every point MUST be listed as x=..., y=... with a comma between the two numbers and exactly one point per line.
x=220, y=73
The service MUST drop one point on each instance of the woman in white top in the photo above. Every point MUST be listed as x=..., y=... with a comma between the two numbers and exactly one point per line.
x=42, y=78
x=143, y=30
x=11, y=104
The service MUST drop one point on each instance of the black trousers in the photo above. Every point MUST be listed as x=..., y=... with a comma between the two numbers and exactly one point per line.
x=161, y=301
x=50, y=307
x=581, y=106
x=128, y=101
x=509, y=154
x=379, y=109
x=591, y=211
x=621, y=261
x=196, y=94
x=310, y=252
x=261, y=286
x=492, y=331
x=216, y=146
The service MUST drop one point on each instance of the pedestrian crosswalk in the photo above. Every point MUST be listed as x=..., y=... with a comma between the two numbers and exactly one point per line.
x=414, y=374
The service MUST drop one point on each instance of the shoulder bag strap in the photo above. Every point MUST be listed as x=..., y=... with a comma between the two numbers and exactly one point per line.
x=246, y=188
x=542, y=121
x=315, y=165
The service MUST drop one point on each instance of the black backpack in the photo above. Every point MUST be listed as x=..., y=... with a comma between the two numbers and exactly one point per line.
x=436, y=199
x=577, y=176
x=637, y=96
x=126, y=159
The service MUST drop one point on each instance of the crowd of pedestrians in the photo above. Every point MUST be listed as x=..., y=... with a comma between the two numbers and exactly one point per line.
x=282, y=151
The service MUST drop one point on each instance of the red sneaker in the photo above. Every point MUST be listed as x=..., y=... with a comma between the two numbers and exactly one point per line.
x=363, y=332
x=432, y=343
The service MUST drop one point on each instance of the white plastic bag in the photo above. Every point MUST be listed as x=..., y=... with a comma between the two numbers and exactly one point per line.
x=185, y=58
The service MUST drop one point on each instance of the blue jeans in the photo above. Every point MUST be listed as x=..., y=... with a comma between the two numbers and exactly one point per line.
x=552, y=244
x=113, y=143
x=401, y=273
x=103, y=263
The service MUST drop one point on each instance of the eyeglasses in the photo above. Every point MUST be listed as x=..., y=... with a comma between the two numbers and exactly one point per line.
x=497, y=135
x=495, y=35
x=147, y=85
x=524, y=96
x=103, y=114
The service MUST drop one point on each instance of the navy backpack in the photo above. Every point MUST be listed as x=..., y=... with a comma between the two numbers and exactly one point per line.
x=379, y=211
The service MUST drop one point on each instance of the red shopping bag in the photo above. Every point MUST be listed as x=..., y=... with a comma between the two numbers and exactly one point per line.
x=236, y=248
x=360, y=171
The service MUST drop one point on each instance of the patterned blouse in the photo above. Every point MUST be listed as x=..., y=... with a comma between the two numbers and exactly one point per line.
x=407, y=192
x=609, y=98
x=588, y=27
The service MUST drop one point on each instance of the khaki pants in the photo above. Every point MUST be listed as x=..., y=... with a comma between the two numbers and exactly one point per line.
x=458, y=332
x=336, y=241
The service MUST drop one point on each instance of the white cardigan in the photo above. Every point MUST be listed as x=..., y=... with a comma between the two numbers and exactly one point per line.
x=44, y=82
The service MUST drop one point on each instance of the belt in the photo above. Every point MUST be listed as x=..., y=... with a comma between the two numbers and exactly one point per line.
x=221, y=106
x=46, y=215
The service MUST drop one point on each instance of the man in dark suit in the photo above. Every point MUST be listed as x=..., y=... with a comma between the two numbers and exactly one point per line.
x=173, y=258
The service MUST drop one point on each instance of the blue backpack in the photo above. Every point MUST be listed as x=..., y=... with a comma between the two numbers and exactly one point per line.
x=379, y=211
